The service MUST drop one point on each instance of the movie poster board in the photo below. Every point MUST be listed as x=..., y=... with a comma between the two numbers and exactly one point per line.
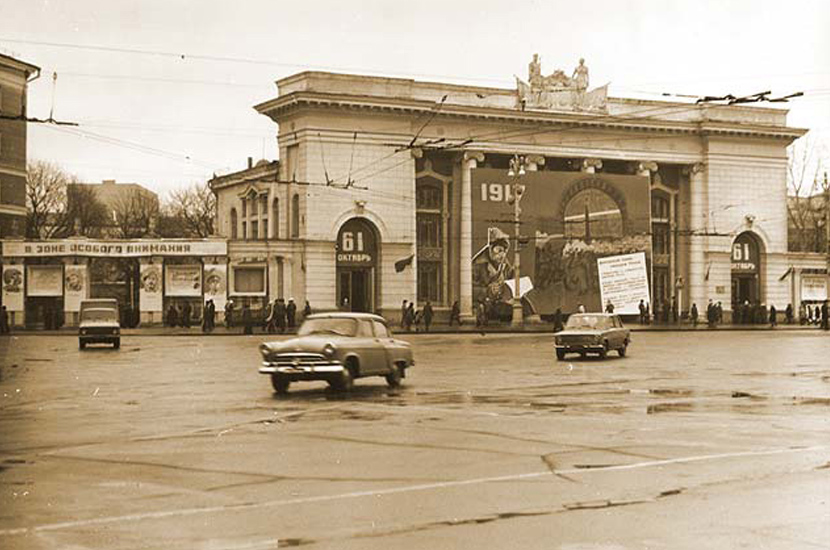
x=570, y=220
x=44, y=280
x=150, y=287
x=14, y=278
x=216, y=284
x=183, y=280
x=75, y=287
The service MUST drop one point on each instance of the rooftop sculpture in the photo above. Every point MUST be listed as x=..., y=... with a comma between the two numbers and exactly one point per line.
x=558, y=91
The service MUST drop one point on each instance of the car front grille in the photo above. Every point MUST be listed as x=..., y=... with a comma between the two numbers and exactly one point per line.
x=578, y=339
x=297, y=360
x=99, y=331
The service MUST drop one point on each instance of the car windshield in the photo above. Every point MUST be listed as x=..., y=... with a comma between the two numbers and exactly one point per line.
x=99, y=315
x=592, y=322
x=340, y=327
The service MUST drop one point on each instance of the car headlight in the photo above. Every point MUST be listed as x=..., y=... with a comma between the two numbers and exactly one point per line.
x=329, y=350
x=83, y=331
x=116, y=330
x=558, y=340
x=264, y=349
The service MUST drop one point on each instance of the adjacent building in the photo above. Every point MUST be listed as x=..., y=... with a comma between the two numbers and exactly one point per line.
x=15, y=76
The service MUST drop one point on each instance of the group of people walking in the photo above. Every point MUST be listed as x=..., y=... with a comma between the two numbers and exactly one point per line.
x=411, y=317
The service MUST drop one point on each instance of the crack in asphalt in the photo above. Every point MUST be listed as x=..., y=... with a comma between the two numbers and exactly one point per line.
x=409, y=445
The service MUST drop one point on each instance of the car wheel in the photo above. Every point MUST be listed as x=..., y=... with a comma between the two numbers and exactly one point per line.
x=280, y=384
x=393, y=379
x=560, y=354
x=603, y=353
x=623, y=349
x=116, y=344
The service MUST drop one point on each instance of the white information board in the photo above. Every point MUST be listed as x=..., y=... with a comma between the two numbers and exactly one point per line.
x=813, y=288
x=623, y=280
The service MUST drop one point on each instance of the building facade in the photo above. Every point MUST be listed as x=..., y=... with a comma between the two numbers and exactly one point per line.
x=391, y=189
x=15, y=76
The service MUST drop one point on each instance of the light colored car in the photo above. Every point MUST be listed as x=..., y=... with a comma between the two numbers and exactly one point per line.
x=337, y=348
x=592, y=333
x=99, y=323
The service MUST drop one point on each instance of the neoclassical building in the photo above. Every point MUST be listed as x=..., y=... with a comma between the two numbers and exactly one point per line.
x=390, y=189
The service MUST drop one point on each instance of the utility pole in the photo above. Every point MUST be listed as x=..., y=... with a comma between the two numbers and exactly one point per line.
x=516, y=171
x=826, y=186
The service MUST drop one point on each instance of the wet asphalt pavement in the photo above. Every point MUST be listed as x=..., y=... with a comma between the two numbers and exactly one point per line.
x=715, y=440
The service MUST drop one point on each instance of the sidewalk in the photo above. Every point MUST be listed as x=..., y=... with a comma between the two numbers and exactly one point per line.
x=538, y=327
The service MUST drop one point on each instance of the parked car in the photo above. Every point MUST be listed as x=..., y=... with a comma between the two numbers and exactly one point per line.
x=99, y=323
x=337, y=348
x=594, y=333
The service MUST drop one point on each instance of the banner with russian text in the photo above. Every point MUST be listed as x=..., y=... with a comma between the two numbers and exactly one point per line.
x=183, y=280
x=44, y=280
x=623, y=281
x=75, y=286
x=114, y=249
x=13, y=286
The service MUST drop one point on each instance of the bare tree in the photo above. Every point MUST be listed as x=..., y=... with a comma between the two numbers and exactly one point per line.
x=86, y=215
x=135, y=214
x=195, y=208
x=46, y=200
x=805, y=205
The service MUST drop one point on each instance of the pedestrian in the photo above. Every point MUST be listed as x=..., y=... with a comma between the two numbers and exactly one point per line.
x=270, y=318
x=580, y=308
x=647, y=314
x=228, y=314
x=609, y=307
x=427, y=314
x=306, y=309
x=344, y=304
x=403, y=313
x=479, y=314
x=172, y=316
x=211, y=316
x=205, y=323
x=409, y=316
x=825, y=321
x=186, y=313
x=642, y=308
x=773, y=316
x=788, y=314
x=694, y=314
x=710, y=314
x=719, y=313
x=4, y=320
x=557, y=319
x=291, y=314
x=279, y=314
x=674, y=312
x=455, y=313
x=247, y=319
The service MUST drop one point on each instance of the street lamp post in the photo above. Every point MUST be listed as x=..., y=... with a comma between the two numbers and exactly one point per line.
x=516, y=171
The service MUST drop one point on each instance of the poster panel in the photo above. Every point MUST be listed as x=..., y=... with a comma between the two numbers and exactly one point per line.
x=216, y=284
x=13, y=285
x=183, y=280
x=623, y=281
x=568, y=221
x=75, y=286
x=44, y=280
x=149, y=287
x=813, y=288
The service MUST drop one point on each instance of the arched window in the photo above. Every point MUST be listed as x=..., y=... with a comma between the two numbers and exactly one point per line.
x=295, y=216
x=275, y=214
x=234, y=223
x=593, y=214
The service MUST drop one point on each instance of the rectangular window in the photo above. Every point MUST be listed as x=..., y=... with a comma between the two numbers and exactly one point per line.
x=660, y=238
x=292, y=154
x=429, y=281
x=244, y=208
x=244, y=230
x=429, y=230
x=253, y=207
x=264, y=222
x=263, y=205
x=249, y=280
x=254, y=230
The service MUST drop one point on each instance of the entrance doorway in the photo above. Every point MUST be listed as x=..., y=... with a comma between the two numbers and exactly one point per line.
x=746, y=271
x=357, y=252
x=355, y=288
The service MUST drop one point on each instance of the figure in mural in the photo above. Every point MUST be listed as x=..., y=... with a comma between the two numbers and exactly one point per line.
x=12, y=280
x=491, y=271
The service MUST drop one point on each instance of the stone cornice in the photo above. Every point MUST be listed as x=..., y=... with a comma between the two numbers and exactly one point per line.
x=280, y=107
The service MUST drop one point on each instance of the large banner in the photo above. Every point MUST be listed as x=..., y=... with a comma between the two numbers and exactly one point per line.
x=75, y=286
x=149, y=287
x=113, y=249
x=183, y=280
x=44, y=280
x=13, y=286
x=570, y=220
x=813, y=288
x=623, y=282
x=216, y=284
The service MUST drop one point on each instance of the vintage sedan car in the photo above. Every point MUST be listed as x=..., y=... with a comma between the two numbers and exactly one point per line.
x=592, y=333
x=337, y=348
x=99, y=323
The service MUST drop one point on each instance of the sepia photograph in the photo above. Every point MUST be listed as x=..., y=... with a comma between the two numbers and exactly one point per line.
x=378, y=274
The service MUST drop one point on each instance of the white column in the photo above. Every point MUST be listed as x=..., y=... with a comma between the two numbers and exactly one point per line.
x=697, y=238
x=469, y=161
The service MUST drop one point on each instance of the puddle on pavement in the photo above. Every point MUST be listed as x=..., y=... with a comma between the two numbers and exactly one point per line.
x=669, y=407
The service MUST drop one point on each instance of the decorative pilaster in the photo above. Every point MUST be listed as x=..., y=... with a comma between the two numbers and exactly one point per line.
x=590, y=166
x=469, y=161
x=697, y=237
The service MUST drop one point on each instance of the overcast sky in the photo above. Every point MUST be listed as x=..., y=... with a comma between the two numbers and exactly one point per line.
x=169, y=118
